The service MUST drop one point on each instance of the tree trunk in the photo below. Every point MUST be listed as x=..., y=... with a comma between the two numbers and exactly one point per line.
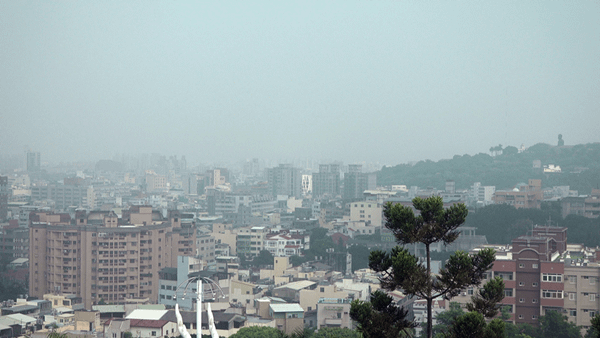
x=429, y=298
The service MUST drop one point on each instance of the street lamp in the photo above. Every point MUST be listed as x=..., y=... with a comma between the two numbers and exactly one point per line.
x=214, y=291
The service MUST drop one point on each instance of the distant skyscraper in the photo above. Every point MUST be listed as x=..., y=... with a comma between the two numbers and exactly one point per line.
x=327, y=180
x=285, y=180
x=3, y=197
x=33, y=161
x=356, y=182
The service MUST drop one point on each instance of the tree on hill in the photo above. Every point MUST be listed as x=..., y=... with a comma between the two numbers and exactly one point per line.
x=402, y=270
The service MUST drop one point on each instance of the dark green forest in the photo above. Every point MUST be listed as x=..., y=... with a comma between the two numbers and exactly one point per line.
x=500, y=223
x=504, y=168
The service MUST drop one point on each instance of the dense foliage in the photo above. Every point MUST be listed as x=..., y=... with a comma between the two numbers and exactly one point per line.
x=500, y=223
x=504, y=170
x=380, y=317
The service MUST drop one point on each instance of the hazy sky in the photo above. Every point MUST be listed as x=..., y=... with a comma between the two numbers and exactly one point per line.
x=354, y=81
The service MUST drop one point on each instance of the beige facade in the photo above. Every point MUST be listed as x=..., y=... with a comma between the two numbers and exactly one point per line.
x=333, y=312
x=223, y=233
x=369, y=212
x=310, y=298
x=100, y=257
x=582, y=288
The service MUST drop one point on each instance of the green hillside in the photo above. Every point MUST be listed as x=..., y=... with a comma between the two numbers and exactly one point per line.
x=580, y=166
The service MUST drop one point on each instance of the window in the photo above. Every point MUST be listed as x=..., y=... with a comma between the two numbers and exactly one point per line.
x=508, y=292
x=592, y=314
x=534, y=265
x=521, y=265
x=322, y=289
x=592, y=280
x=534, y=300
x=552, y=294
x=153, y=333
x=534, y=316
x=572, y=312
x=521, y=283
x=572, y=279
x=470, y=291
x=552, y=277
x=505, y=275
x=534, y=284
x=572, y=296
x=592, y=297
x=520, y=316
x=521, y=300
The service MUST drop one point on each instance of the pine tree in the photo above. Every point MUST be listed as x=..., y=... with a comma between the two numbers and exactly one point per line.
x=402, y=270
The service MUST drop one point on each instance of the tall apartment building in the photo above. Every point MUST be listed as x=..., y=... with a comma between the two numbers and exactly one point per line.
x=356, y=182
x=582, y=289
x=522, y=196
x=14, y=241
x=532, y=274
x=327, y=181
x=98, y=256
x=33, y=161
x=3, y=198
x=63, y=196
x=285, y=180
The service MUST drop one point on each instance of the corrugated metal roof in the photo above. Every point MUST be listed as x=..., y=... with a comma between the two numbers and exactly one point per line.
x=288, y=307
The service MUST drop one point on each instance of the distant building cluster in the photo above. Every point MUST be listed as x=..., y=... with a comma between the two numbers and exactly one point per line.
x=110, y=248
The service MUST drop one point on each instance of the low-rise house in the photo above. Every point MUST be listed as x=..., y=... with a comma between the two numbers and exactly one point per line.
x=334, y=312
x=288, y=317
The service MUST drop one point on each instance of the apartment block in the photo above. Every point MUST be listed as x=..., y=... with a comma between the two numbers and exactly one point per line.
x=285, y=180
x=63, y=196
x=587, y=206
x=356, y=182
x=366, y=211
x=98, y=256
x=327, y=181
x=4, y=190
x=14, y=240
x=522, y=196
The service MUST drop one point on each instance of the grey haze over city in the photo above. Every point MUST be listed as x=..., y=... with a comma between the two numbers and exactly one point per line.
x=353, y=81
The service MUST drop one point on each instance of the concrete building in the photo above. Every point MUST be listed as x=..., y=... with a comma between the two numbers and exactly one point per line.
x=285, y=180
x=155, y=183
x=205, y=248
x=33, y=161
x=356, y=182
x=532, y=274
x=587, y=206
x=285, y=243
x=334, y=312
x=366, y=211
x=522, y=196
x=14, y=240
x=171, y=278
x=4, y=190
x=288, y=317
x=99, y=256
x=327, y=181
x=63, y=196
